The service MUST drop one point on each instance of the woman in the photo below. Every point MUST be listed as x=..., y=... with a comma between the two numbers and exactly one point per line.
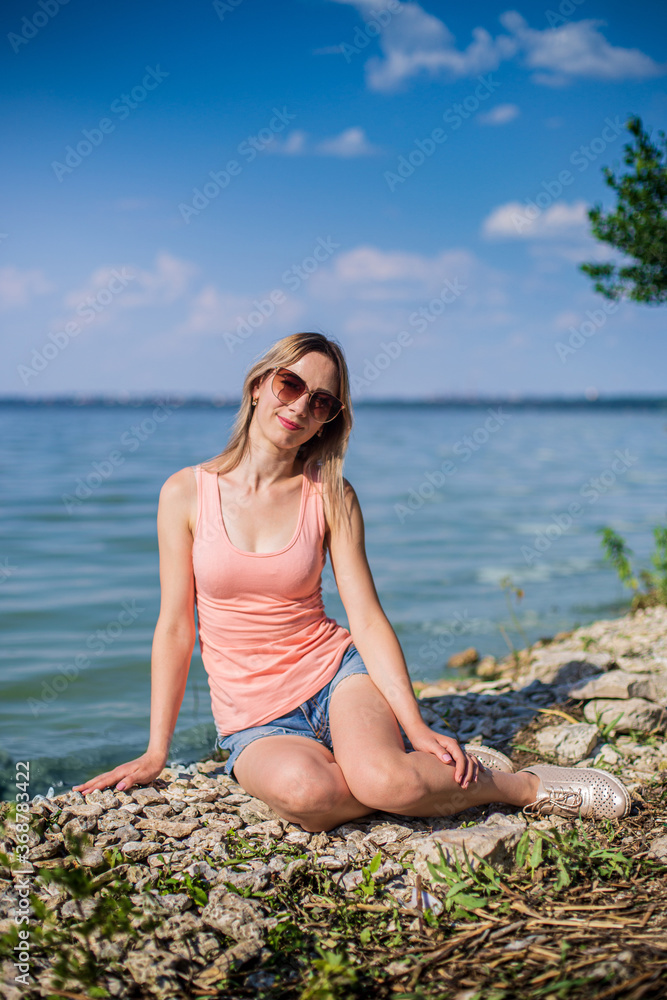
x=309, y=711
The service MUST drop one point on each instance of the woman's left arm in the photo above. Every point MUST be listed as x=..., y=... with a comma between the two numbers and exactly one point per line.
x=378, y=644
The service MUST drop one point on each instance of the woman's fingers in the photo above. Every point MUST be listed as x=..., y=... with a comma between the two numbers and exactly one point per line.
x=124, y=777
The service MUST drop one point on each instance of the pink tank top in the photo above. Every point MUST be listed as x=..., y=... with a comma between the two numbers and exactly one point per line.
x=266, y=643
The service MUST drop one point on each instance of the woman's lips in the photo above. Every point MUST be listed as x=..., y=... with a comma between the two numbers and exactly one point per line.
x=288, y=424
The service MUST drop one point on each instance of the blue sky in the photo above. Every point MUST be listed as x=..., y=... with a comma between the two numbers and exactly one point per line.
x=365, y=169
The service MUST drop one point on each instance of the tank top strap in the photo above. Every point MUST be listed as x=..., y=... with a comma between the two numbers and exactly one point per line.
x=315, y=506
x=208, y=502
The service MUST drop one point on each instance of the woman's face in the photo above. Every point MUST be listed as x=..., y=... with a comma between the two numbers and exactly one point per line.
x=291, y=424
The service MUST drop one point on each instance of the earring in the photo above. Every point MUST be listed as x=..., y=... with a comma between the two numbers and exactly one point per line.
x=254, y=402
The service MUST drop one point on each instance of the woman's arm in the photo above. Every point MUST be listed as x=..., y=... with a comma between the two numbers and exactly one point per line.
x=378, y=644
x=175, y=634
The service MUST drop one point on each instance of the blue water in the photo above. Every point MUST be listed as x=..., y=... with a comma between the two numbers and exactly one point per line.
x=79, y=574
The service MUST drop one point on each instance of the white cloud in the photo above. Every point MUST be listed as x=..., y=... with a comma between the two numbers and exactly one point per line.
x=166, y=283
x=213, y=311
x=516, y=221
x=499, y=115
x=415, y=43
x=18, y=287
x=367, y=273
x=577, y=49
x=350, y=142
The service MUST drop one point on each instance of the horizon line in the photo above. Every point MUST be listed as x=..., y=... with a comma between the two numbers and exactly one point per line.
x=215, y=402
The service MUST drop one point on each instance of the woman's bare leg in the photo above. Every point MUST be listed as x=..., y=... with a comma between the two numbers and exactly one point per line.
x=369, y=749
x=304, y=784
x=300, y=780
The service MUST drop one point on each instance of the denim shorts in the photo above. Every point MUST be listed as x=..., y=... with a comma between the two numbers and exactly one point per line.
x=310, y=719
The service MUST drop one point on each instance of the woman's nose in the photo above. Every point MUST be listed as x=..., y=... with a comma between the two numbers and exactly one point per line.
x=300, y=405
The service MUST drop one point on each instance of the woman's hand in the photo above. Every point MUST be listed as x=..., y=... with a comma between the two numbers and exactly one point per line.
x=141, y=771
x=446, y=749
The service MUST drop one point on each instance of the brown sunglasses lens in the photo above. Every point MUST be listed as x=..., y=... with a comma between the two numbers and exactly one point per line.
x=323, y=406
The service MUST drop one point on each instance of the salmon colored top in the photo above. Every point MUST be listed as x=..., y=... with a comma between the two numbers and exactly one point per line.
x=266, y=643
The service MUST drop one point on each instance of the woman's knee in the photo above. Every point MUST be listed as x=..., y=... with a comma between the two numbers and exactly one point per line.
x=308, y=790
x=387, y=785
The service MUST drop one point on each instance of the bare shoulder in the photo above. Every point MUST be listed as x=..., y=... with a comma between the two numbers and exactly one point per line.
x=351, y=505
x=178, y=496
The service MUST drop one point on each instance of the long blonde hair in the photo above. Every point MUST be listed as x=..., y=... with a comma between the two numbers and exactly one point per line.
x=325, y=452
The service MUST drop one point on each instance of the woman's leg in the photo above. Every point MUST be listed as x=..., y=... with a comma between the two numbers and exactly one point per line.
x=300, y=780
x=378, y=772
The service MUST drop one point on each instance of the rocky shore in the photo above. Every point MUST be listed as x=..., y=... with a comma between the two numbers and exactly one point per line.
x=190, y=887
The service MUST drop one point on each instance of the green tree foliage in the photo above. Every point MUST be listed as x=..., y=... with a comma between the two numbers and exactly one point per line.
x=638, y=226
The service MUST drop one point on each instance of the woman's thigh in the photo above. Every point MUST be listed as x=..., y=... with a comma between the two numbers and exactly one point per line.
x=295, y=775
x=367, y=740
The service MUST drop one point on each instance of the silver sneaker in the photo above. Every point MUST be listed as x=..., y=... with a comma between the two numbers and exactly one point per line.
x=489, y=757
x=578, y=791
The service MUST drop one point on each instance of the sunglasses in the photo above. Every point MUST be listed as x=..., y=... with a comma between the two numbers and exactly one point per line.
x=288, y=387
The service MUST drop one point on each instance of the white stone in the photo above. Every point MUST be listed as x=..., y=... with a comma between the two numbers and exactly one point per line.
x=494, y=841
x=616, y=684
x=569, y=743
x=658, y=849
x=627, y=715
x=607, y=755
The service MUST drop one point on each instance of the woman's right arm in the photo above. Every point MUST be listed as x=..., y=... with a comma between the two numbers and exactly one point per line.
x=174, y=637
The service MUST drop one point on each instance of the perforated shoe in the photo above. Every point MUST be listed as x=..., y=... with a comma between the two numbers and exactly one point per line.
x=489, y=757
x=577, y=791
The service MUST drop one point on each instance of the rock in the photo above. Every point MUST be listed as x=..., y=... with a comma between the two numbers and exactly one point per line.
x=176, y=902
x=92, y=857
x=270, y=828
x=105, y=798
x=494, y=841
x=89, y=810
x=617, y=684
x=235, y=956
x=234, y=916
x=387, y=833
x=178, y=829
x=487, y=668
x=178, y=926
x=631, y=714
x=203, y=869
x=152, y=968
x=568, y=743
x=607, y=754
x=80, y=825
x=49, y=849
x=436, y=690
x=658, y=850
x=79, y=909
x=158, y=812
x=147, y=796
x=257, y=880
x=137, y=850
x=463, y=659
x=113, y=820
x=256, y=811
x=557, y=666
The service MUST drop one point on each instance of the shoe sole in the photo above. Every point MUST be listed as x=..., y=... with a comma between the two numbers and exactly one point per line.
x=489, y=757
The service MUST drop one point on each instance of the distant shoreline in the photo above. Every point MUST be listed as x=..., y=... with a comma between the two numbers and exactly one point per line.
x=211, y=403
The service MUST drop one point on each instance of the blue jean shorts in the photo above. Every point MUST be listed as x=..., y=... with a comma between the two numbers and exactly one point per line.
x=310, y=719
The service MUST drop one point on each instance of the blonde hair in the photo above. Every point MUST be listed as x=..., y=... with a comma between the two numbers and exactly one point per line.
x=325, y=453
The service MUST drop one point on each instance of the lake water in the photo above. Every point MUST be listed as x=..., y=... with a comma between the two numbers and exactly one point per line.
x=455, y=499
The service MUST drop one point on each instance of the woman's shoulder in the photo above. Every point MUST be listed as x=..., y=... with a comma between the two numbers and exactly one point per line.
x=180, y=487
